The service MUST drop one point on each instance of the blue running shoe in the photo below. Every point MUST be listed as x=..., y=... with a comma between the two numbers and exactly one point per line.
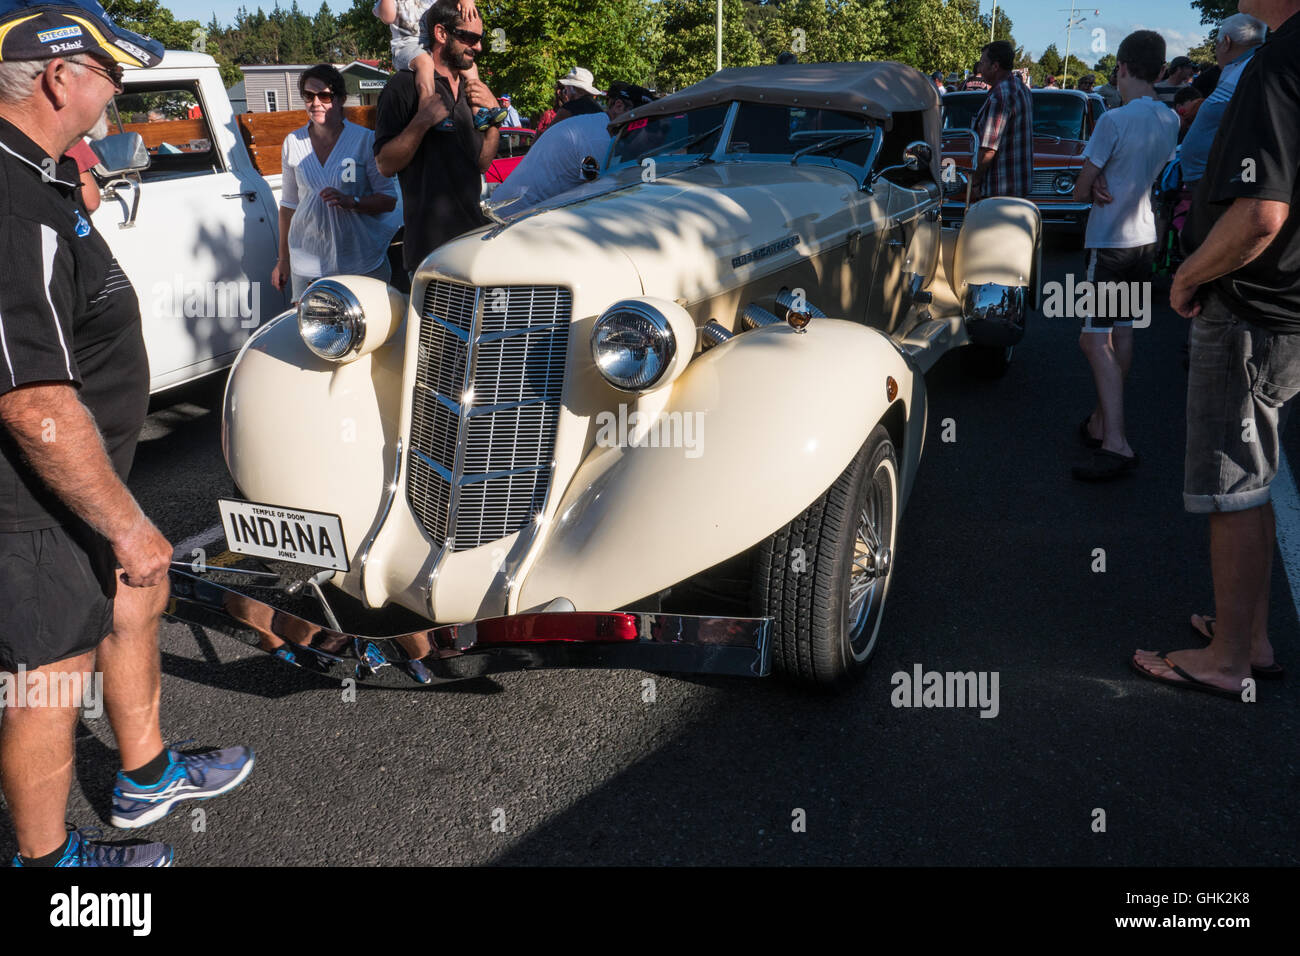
x=189, y=776
x=82, y=852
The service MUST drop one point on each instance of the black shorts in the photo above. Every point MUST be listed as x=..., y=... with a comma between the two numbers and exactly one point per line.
x=1107, y=269
x=56, y=595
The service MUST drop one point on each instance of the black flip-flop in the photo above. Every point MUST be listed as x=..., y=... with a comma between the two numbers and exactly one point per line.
x=1086, y=437
x=1188, y=682
x=1274, y=671
x=1105, y=465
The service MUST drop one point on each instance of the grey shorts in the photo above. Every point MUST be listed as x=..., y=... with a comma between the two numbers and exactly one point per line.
x=56, y=595
x=1240, y=379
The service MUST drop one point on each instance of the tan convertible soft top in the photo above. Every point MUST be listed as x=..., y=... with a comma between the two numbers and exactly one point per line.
x=878, y=90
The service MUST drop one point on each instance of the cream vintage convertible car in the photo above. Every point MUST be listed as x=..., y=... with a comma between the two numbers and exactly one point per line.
x=668, y=420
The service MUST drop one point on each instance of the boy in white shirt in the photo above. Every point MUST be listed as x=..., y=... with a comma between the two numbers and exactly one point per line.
x=1125, y=155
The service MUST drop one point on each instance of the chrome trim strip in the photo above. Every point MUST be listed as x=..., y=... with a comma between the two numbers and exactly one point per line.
x=393, y=485
x=488, y=476
x=511, y=333
x=478, y=410
x=440, y=471
x=447, y=326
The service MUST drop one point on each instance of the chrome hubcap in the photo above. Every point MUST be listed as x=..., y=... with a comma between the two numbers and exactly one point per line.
x=872, y=556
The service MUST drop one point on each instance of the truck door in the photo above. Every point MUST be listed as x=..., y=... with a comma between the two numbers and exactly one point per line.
x=189, y=232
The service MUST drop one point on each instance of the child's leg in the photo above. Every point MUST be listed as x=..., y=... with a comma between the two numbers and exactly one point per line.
x=422, y=66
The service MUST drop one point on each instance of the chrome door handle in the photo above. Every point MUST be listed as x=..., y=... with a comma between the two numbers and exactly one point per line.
x=249, y=194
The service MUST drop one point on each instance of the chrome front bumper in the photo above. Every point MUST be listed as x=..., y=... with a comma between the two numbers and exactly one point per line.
x=738, y=647
x=1055, y=214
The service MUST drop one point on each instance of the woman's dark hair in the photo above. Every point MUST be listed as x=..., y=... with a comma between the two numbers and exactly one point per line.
x=1207, y=80
x=1143, y=52
x=331, y=77
x=1000, y=52
x=1186, y=94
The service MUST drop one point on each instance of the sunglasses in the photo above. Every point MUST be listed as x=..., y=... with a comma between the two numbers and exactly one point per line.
x=114, y=75
x=466, y=37
x=325, y=96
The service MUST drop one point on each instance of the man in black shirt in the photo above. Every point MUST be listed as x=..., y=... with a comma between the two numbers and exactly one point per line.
x=1241, y=289
x=433, y=149
x=74, y=390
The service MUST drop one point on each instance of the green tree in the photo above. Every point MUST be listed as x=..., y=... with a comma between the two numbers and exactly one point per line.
x=1103, y=66
x=154, y=20
x=935, y=34
x=531, y=43
x=362, y=36
x=687, y=54
x=1051, y=61
x=823, y=31
x=1204, y=53
x=1215, y=11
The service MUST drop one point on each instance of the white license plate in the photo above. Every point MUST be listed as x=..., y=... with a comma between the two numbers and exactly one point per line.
x=284, y=534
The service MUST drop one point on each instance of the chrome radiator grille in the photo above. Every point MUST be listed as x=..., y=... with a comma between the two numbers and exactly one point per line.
x=485, y=408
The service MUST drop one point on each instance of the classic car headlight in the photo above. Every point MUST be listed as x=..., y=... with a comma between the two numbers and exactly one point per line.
x=641, y=343
x=1064, y=183
x=330, y=320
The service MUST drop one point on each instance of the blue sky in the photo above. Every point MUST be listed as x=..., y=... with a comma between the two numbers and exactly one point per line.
x=1038, y=23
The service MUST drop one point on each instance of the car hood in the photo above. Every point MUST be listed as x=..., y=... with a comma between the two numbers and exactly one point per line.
x=690, y=231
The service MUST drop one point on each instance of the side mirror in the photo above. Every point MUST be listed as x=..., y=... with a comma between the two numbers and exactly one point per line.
x=917, y=155
x=590, y=168
x=120, y=153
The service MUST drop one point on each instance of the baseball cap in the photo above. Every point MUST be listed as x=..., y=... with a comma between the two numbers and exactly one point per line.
x=630, y=93
x=34, y=30
x=1178, y=62
x=582, y=79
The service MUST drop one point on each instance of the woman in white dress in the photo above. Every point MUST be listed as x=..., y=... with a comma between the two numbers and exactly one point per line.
x=335, y=205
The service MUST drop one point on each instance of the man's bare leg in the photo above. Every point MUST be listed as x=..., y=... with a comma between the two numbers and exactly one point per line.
x=1241, y=557
x=129, y=661
x=37, y=749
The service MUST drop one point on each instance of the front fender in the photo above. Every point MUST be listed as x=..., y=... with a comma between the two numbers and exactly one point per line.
x=303, y=432
x=767, y=420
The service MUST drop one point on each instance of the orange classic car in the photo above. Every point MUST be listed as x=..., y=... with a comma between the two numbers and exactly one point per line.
x=1063, y=121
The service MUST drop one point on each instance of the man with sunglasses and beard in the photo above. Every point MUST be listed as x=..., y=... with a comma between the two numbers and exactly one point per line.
x=435, y=148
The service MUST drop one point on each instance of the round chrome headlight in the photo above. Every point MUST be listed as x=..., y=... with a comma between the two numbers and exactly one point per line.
x=633, y=345
x=1064, y=183
x=330, y=320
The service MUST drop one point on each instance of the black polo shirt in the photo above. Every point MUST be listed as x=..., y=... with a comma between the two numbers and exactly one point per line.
x=67, y=314
x=1256, y=155
x=441, y=185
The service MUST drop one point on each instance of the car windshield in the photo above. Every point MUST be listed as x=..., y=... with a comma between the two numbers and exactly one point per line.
x=1054, y=114
x=691, y=133
x=760, y=129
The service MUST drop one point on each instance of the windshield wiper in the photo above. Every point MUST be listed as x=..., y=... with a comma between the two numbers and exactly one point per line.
x=689, y=141
x=842, y=140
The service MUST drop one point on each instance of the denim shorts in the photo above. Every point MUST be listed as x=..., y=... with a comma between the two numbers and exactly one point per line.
x=1240, y=379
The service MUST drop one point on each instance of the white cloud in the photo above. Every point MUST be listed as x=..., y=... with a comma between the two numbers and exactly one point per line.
x=1177, y=42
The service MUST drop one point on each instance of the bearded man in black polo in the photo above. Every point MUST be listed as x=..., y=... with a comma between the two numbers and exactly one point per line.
x=434, y=148
x=74, y=390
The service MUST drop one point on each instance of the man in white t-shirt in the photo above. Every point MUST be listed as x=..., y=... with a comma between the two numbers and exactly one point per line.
x=554, y=163
x=1125, y=155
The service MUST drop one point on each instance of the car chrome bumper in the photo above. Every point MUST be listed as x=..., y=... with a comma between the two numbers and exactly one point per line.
x=572, y=639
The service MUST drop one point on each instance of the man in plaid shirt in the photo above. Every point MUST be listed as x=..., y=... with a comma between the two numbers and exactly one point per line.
x=1005, y=124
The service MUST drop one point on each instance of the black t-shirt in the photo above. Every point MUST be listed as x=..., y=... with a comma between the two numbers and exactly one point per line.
x=1256, y=155
x=441, y=185
x=67, y=314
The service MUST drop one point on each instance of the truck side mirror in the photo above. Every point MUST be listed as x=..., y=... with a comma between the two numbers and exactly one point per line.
x=120, y=153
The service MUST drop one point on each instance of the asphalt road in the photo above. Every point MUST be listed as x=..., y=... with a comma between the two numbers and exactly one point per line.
x=994, y=574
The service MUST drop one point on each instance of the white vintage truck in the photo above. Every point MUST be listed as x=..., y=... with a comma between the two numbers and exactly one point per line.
x=195, y=230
